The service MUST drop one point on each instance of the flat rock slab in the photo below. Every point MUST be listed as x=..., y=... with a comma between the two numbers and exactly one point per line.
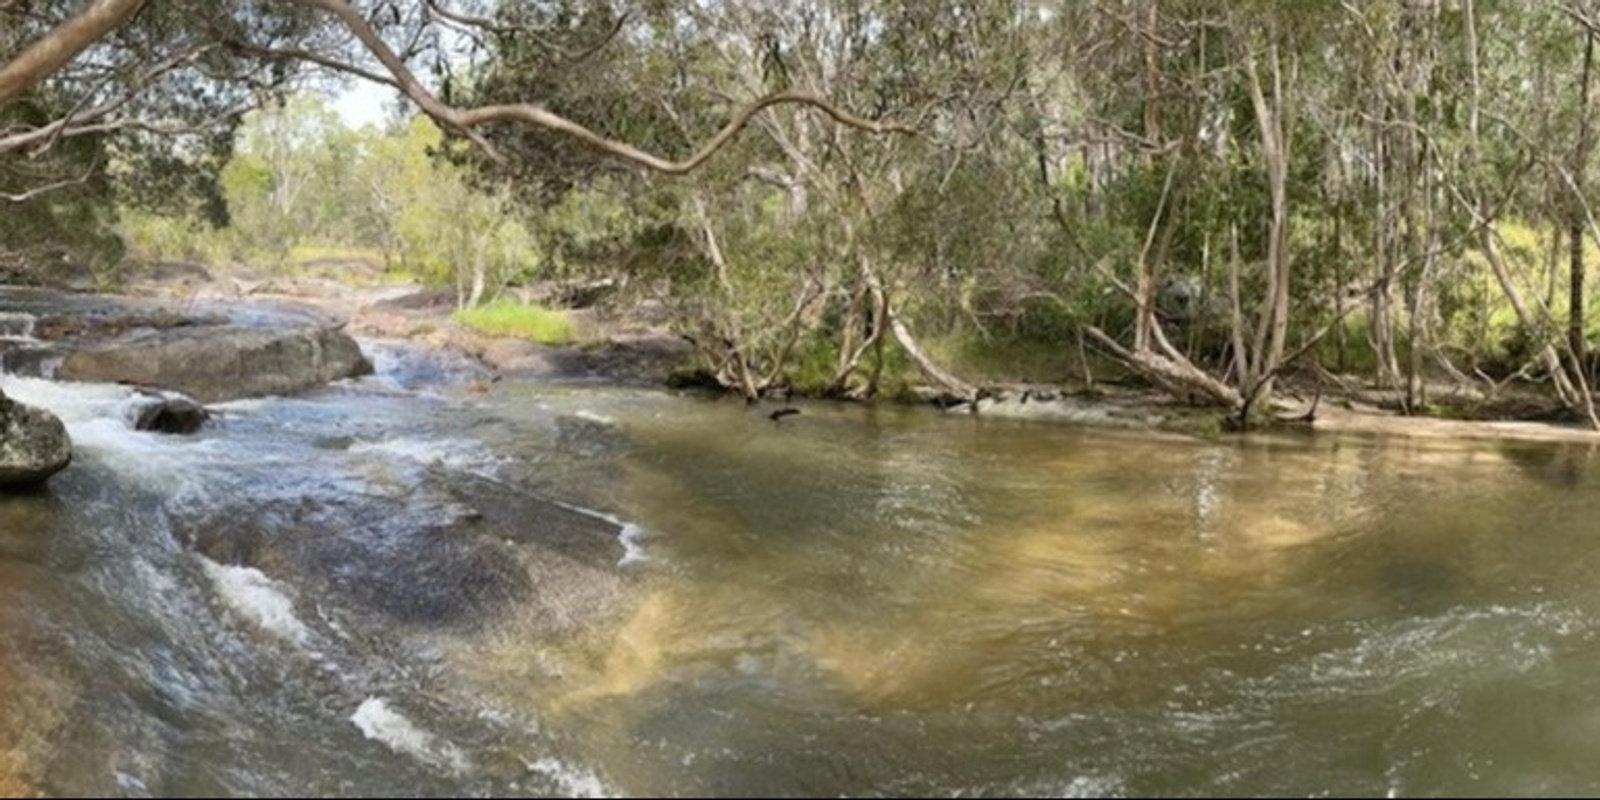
x=211, y=351
x=217, y=363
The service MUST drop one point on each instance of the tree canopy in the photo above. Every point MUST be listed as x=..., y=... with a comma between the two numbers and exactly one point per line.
x=1209, y=195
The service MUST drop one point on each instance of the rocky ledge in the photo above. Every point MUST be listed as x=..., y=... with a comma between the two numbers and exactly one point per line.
x=216, y=363
x=209, y=353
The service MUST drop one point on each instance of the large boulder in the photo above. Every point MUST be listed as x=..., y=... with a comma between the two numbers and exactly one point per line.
x=33, y=444
x=217, y=363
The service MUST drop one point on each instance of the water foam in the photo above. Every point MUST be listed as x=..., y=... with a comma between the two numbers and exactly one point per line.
x=631, y=536
x=594, y=416
x=259, y=599
x=96, y=416
x=462, y=455
x=573, y=782
x=72, y=402
x=381, y=723
x=17, y=326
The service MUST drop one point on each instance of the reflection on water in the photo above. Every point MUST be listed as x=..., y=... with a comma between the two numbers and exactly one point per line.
x=382, y=589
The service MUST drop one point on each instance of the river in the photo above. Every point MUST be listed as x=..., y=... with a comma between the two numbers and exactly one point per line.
x=396, y=586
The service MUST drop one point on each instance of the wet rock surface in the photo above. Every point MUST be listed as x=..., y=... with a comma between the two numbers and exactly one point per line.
x=169, y=414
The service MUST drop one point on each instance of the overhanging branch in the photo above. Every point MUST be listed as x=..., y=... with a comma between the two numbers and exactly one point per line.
x=467, y=121
x=62, y=44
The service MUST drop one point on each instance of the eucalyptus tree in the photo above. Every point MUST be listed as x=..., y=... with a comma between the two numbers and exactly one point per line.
x=120, y=101
x=1526, y=116
x=797, y=237
x=145, y=72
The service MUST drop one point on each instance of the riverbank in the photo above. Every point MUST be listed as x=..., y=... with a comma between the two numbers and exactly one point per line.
x=638, y=348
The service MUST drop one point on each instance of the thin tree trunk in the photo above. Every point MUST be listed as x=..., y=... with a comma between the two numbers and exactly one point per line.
x=1273, y=327
x=1548, y=356
x=1576, y=218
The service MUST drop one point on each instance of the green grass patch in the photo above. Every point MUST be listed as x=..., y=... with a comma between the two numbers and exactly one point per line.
x=304, y=253
x=1006, y=359
x=512, y=319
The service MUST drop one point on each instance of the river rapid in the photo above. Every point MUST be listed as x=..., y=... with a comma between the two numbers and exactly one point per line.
x=399, y=586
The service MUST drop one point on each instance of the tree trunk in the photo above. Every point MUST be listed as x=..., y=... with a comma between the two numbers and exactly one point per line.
x=1565, y=390
x=1576, y=217
x=1273, y=326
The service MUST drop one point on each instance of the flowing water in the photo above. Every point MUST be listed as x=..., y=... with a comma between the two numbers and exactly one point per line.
x=395, y=586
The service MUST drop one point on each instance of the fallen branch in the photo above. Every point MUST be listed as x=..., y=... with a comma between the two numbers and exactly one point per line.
x=1178, y=377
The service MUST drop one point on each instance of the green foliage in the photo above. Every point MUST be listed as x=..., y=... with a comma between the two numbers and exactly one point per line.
x=153, y=237
x=512, y=319
x=1059, y=157
x=303, y=188
x=154, y=106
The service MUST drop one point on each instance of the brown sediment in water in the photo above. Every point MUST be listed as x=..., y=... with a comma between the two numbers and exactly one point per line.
x=32, y=706
x=14, y=780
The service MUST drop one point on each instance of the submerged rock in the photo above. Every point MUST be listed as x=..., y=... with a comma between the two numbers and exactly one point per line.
x=176, y=415
x=33, y=444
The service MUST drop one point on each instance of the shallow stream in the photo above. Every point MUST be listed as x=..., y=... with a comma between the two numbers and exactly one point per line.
x=396, y=586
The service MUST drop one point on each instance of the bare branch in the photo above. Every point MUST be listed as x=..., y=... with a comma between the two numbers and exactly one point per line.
x=321, y=60
x=1581, y=15
x=62, y=44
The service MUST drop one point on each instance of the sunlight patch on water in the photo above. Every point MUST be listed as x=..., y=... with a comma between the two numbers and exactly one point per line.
x=33, y=706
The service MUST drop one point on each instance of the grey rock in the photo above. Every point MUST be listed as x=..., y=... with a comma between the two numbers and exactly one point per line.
x=217, y=363
x=33, y=444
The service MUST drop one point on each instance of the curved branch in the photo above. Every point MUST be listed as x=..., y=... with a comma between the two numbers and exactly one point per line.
x=541, y=117
x=466, y=121
x=62, y=44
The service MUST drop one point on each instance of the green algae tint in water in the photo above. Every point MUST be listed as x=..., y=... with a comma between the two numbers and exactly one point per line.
x=887, y=602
